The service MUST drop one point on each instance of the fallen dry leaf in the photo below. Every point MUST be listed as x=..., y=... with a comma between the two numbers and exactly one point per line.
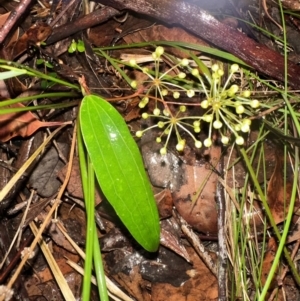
x=201, y=215
x=3, y=19
x=21, y=124
x=268, y=259
x=37, y=33
x=279, y=195
x=266, y=266
x=163, y=33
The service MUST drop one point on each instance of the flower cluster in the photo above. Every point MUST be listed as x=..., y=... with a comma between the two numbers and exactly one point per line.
x=227, y=107
x=160, y=84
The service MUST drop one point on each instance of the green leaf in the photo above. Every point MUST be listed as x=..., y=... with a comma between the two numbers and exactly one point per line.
x=120, y=170
x=12, y=73
x=80, y=46
x=72, y=47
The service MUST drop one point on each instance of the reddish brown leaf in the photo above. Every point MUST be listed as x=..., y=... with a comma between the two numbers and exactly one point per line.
x=15, y=36
x=20, y=124
x=268, y=259
x=266, y=266
x=202, y=215
x=279, y=195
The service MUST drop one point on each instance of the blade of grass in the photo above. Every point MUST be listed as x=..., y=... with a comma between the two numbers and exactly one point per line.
x=99, y=269
x=191, y=46
x=33, y=73
x=269, y=214
x=92, y=243
x=86, y=170
x=34, y=97
x=21, y=171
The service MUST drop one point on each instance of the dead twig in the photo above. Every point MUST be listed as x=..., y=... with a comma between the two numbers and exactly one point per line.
x=204, y=25
x=222, y=254
x=97, y=17
x=198, y=246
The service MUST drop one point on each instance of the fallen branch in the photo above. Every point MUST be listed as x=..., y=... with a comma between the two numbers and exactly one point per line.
x=202, y=24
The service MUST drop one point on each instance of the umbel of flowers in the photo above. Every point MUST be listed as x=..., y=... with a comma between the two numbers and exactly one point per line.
x=226, y=107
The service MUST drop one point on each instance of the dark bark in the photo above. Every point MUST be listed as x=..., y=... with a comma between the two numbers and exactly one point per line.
x=97, y=17
x=202, y=24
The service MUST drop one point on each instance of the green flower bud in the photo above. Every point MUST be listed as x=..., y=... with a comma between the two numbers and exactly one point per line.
x=139, y=134
x=182, y=109
x=184, y=62
x=204, y=104
x=181, y=75
x=180, y=145
x=195, y=72
x=159, y=51
x=142, y=105
x=254, y=103
x=196, y=123
x=156, y=111
x=166, y=112
x=237, y=127
x=245, y=128
x=220, y=72
x=217, y=124
x=197, y=129
x=176, y=94
x=208, y=118
x=190, y=93
x=158, y=140
x=167, y=131
x=164, y=92
x=215, y=67
x=225, y=140
x=234, y=68
x=155, y=56
x=239, y=140
x=240, y=109
x=143, y=102
x=246, y=93
x=160, y=124
x=207, y=142
x=246, y=121
x=233, y=89
x=132, y=62
x=163, y=151
x=133, y=84
x=145, y=115
x=198, y=144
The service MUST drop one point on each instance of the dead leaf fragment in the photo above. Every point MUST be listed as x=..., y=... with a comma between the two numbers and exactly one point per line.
x=201, y=215
x=21, y=124
x=163, y=33
x=279, y=193
x=268, y=261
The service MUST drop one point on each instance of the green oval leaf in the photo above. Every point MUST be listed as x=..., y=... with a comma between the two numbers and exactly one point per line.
x=120, y=170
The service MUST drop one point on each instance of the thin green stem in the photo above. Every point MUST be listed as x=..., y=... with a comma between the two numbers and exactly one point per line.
x=270, y=217
x=33, y=97
x=99, y=269
x=90, y=230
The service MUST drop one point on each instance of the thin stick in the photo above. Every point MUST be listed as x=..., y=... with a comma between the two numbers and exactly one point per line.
x=222, y=254
x=198, y=246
